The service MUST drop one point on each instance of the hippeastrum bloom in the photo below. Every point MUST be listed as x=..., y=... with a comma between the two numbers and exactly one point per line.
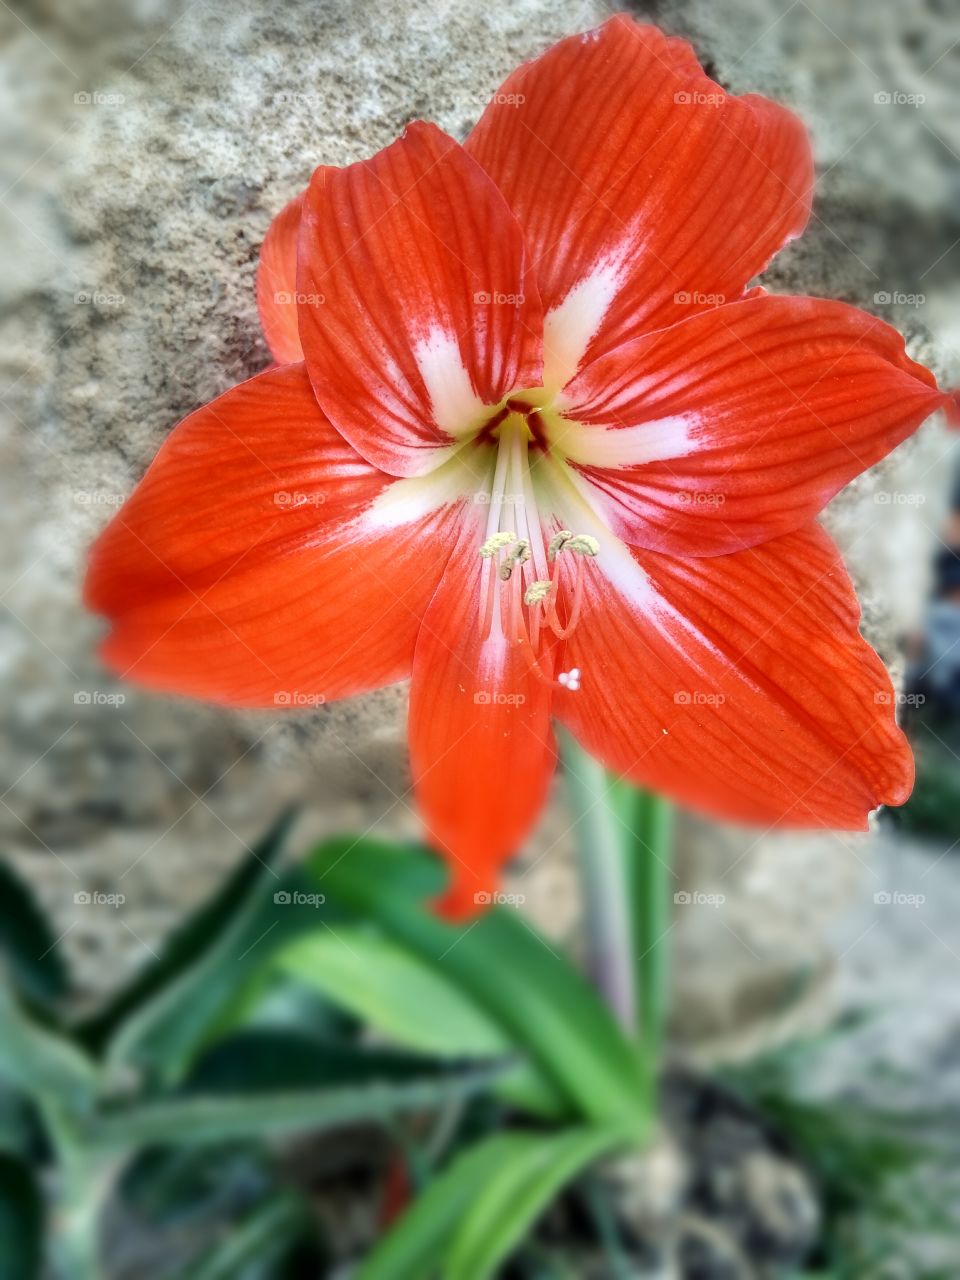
x=533, y=440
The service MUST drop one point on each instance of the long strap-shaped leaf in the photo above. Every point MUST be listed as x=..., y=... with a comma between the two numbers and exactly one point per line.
x=474, y=1216
x=543, y=1003
x=221, y=1118
x=396, y=992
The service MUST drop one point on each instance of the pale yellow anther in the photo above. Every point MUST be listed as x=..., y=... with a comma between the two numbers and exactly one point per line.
x=537, y=591
x=583, y=544
x=496, y=542
x=558, y=542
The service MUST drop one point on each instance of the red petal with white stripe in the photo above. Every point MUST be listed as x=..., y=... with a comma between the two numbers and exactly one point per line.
x=256, y=565
x=644, y=191
x=417, y=305
x=738, y=684
x=741, y=423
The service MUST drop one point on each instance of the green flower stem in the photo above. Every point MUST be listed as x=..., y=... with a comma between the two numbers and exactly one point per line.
x=651, y=876
x=625, y=838
x=602, y=870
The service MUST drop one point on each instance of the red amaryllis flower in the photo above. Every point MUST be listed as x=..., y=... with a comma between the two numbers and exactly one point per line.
x=533, y=440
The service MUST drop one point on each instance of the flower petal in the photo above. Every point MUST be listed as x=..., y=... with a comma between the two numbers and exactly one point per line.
x=262, y=562
x=741, y=423
x=481, y=746
x=643, y=190
x=738, y=684
x=417, y=307
x=277, y=284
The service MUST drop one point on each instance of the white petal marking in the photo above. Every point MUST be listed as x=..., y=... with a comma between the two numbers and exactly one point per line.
x=456, y=406
x=653, y=441
x=569, y=326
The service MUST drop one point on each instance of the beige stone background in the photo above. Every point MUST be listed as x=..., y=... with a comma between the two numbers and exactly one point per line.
x=131, y=227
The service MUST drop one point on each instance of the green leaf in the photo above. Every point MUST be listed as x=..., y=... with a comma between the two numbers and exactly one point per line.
x=40, y=1062
x=21, y=1222
x=414, y=1247
x=392, y=989
x=192, y=940
x=542, y=1004
x=515, y=1194
x=253, y=1246
x=480, y=1208
x=191, y=1120
x=395, y=991
x=27, y=943
x=268, y=1060
x=165, y=1034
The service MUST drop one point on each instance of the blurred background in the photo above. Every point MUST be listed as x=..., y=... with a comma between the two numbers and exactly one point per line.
x=146, y=146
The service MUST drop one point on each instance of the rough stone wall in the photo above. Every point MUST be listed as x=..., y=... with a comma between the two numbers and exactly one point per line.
x=134, y=223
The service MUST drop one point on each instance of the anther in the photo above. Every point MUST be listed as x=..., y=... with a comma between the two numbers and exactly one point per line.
x=558, y=542
x=583, y=544
x=519, y=553
x=496, y=543
x=537, y=591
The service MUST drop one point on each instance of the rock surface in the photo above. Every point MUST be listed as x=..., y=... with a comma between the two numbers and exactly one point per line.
x=135, y=212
